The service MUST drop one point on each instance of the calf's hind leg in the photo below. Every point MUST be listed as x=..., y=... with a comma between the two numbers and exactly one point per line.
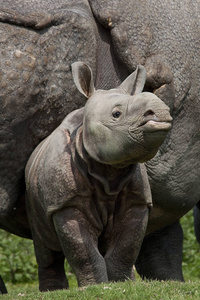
x=51, y=271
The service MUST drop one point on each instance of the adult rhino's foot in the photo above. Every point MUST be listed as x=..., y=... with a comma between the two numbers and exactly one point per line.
x=196, y=214
x=3, y=289
x=160, y=256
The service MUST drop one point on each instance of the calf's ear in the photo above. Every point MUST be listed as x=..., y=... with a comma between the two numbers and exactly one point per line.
x=135, y=82
x=83, y=78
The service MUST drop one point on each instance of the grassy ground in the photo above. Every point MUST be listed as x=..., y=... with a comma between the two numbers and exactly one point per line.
x=126, y=290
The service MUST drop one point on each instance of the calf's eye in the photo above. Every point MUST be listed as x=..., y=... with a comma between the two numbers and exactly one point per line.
x=116, y=114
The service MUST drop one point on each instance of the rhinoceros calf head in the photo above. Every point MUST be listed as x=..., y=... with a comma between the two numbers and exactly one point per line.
x=121, y=126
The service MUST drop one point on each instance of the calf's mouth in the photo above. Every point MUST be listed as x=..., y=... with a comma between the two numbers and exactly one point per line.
x=159, y=121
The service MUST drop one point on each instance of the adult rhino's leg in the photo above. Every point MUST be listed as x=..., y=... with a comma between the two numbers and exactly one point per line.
x=51, y=271
x=125, y=244
x=3, y=289
x=15, y=219
x=80, y=246
x=161, y=254
x=196, y=214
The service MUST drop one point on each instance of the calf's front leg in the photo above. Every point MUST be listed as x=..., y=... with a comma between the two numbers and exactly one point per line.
x=79, y=242
x=125, y=243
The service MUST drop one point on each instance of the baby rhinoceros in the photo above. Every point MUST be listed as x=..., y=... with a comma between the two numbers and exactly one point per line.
x=88, y=195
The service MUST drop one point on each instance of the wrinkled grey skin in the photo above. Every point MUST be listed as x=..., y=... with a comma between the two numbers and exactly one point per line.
x=87, y=196
x=40, y=40
x=164, y=37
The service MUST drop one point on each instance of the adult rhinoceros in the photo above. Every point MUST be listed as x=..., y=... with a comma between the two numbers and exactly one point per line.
x=40, y=39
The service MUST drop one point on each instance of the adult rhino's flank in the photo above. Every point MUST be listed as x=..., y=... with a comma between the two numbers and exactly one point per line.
x=87, y=196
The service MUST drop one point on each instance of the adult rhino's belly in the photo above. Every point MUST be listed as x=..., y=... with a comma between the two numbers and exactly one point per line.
x=174, y=177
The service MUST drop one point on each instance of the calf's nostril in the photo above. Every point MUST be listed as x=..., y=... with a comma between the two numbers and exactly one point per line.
x=149, y=113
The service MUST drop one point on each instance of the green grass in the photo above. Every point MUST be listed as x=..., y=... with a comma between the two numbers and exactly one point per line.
x=126, y=290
